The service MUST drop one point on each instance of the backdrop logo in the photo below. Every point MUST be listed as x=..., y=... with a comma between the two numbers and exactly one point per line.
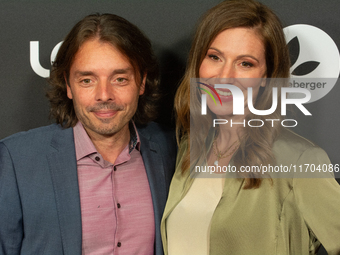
x=313, y=55
x=35, y=62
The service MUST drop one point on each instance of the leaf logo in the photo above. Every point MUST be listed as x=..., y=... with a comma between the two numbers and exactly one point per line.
x=304, y=68
x=315, y=59
x=209, y=93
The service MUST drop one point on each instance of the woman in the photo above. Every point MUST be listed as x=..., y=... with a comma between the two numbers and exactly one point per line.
x=240, y=39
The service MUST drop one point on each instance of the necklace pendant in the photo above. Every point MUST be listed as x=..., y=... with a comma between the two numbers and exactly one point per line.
x=216, y=163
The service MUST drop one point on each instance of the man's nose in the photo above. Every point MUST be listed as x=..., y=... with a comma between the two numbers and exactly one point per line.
x=104, y=92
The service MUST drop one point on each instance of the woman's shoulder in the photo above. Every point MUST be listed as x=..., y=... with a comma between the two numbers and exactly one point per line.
x=291, y=138
x=291, y=147
x=291, y=141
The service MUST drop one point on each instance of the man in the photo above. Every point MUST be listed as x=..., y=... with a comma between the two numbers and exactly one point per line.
x=92, y=183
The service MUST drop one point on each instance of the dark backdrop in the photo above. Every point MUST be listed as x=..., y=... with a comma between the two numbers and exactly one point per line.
x=169, y=25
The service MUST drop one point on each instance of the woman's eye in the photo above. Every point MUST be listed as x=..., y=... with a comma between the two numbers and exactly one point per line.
x=246, y=64
x=213, y=57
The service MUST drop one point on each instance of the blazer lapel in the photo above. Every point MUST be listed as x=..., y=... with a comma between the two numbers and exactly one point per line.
x=63, y=168
x=154, y=167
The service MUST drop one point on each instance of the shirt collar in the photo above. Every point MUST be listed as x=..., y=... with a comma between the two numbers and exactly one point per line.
x=134, y=137
x=84, y=146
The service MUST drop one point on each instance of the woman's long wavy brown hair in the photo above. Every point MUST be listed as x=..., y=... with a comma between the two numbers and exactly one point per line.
x=127, y=38
x=256, y=146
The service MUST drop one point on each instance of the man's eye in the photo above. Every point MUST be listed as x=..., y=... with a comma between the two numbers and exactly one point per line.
x=121, y=79
x=86, y=81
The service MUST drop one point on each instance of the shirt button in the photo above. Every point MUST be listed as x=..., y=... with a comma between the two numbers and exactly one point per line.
x=118, y=205
x=97, y=158
x=119, y=244
x=114, y=168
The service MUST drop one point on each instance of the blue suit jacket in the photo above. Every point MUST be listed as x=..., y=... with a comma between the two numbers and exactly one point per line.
x=39, y=196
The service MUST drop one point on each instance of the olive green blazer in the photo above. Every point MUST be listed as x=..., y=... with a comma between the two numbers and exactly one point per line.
x=285, y=216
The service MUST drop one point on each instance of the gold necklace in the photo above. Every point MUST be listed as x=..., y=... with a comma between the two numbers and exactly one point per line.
x=221, y=155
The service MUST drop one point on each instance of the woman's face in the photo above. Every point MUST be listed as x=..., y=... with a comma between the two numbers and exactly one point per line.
x=235, y=53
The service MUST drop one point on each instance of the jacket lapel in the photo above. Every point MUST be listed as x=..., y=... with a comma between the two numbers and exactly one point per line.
x=63, y=168
x=154, y=167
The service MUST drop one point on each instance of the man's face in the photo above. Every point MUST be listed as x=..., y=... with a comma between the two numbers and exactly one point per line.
x=102, y=85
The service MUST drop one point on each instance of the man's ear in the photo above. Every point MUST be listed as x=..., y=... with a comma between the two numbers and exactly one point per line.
x=142, y=85
x=68, y=88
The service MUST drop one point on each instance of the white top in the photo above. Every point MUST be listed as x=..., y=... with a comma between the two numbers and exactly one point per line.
x=188, y=226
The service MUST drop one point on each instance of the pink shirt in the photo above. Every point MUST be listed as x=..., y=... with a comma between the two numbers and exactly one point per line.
x=116, y=206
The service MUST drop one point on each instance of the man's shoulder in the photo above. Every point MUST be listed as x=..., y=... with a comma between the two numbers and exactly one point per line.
x=156, y=131
x=33, y=137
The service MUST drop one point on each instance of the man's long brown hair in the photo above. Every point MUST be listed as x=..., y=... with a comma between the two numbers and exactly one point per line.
x=124, y=36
